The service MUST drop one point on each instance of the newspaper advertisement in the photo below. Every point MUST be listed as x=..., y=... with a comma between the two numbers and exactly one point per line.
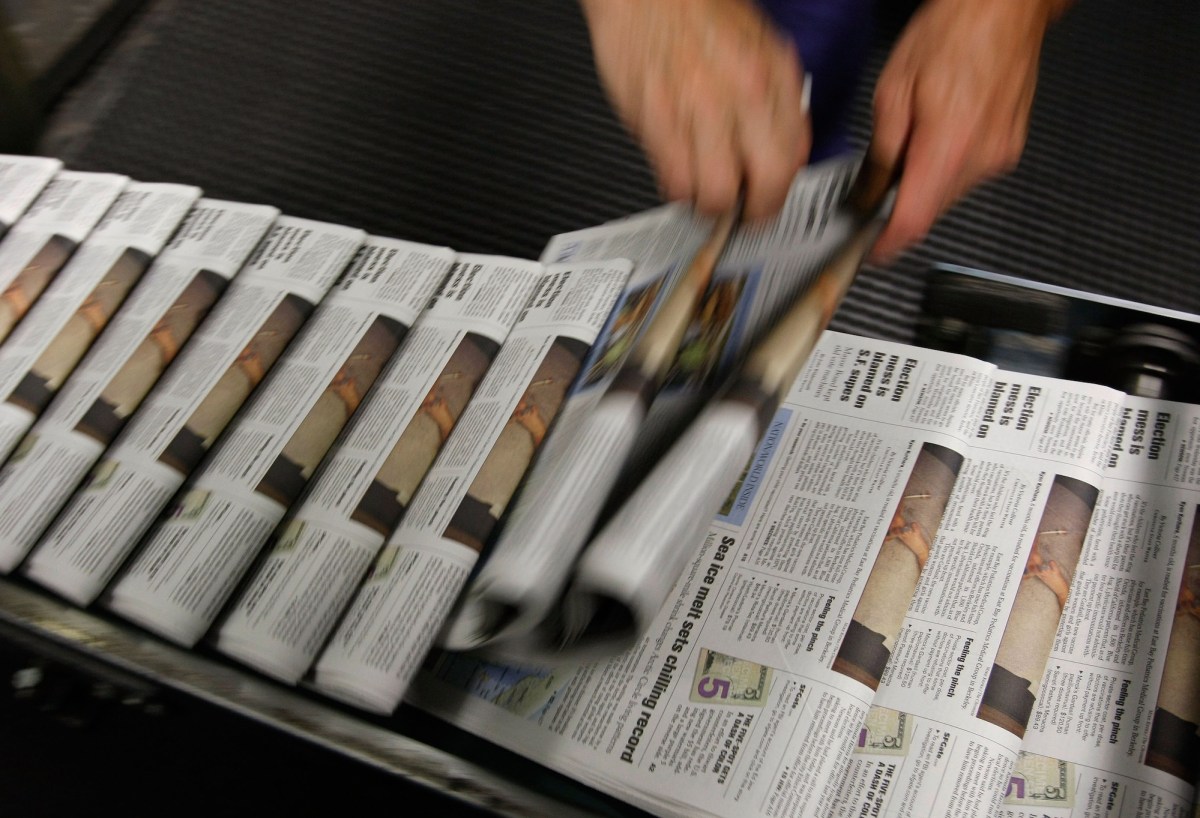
x=21, y=180
x=193, y=558
x=108, y=386
x=188, y=409
x=60, y=328
x=769, y=684
x=423, y=566
x=322, y=552
x=35, y=250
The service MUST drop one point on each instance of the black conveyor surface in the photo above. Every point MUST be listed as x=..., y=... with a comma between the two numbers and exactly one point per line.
x=479, y=124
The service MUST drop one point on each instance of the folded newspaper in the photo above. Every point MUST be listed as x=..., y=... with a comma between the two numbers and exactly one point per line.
x=711, y=559
x=683, y=324
x=602, y=530
x=939, y=589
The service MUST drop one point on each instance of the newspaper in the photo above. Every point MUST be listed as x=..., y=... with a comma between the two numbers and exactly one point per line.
x=43, y=351
x=193, y=558
x=37, y=247
x=109, y=384
x=1116, y=725
x=189, y=408
x=930, y=587
x=751, y=275
x=21, y=180
x=424, y=564
x=871, y=625
x=321, y=554
x=627, y=570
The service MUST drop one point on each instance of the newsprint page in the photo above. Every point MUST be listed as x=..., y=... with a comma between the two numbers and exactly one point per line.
x=937, y=589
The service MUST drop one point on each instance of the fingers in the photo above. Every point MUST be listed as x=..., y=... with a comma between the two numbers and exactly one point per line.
x=933, y=177
x=668, y=143
x=953, y=106
x=712, y=91
x=893, y=116
x=774, y=133
x=748, y=131
x=717, y=167
x=944, y=159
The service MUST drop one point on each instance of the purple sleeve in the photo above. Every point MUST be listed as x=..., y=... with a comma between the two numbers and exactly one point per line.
x=833, y=37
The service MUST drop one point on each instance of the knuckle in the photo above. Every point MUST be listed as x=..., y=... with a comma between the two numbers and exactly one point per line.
x=716, y=193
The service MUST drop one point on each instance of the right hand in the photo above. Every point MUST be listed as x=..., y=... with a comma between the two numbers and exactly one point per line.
x=712, y=91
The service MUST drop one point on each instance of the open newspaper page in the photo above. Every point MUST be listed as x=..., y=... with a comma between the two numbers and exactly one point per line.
x=109, y=384
x=35, y=250
x=42, y=352
x=759, y=272
x=190, y=406
x=959, y=611
x=21, y=179
x=321, y=554
x=730, y=703
x=392, y=621
x=1115, y=729
x=193, y=558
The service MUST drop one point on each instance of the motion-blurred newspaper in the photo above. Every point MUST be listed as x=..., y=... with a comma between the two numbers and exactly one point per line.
x=687, y=323
x=937, y=589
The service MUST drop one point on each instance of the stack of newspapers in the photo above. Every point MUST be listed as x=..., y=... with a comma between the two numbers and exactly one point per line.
x=628, y=510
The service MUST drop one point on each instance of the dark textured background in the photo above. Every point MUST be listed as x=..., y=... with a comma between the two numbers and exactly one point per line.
x=479, y=124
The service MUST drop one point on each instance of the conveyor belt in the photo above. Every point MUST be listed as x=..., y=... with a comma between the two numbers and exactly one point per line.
x=475, y=124
x=480, y=125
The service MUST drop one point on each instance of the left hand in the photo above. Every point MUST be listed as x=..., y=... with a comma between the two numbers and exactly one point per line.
x=953, y=104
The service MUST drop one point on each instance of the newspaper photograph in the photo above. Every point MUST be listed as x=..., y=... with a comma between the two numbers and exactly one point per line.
x=108, y=386
x=186, y=411
x=36, y=249
x=1115, y=727
x=403, y=603
x=192, y=559
x=38, y=357
x=324, y=549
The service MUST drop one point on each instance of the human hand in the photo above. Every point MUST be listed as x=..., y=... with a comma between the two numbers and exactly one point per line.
x=712, y=91
x=953, y=104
